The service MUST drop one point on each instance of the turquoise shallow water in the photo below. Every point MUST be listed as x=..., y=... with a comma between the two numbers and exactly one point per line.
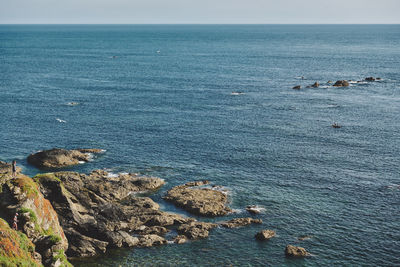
x=171, y=114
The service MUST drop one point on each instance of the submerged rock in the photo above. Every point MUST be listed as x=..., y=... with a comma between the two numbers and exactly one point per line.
x=297, y=87
x=238, y=222
x=370, y=79
x=199, y=201
x=293, y=251
x=304, y=237
x=341, y=83
x=265, y=235
x=58, y=158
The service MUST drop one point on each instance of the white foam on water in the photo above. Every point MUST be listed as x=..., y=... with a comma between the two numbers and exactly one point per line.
x=237, y=93
x=81, y=162
x=256, y=208
x=238, y=211
x=170, y=242
x=112, y=175
x=90, y=156
x=60, y=120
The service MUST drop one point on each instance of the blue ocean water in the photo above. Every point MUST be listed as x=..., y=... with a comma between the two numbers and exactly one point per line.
x=159, y=99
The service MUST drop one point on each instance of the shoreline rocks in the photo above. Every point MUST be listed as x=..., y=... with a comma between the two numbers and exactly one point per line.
x=100, y=211
x=197, y=200
x=59, y=158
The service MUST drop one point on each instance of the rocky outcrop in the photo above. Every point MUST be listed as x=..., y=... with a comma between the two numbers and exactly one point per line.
x=370, y=79
x=296, y=252
x=36, y=217
x=58, y=158
x=101, y=211
x=196, y=230
x=265, y=235
x=15, y=248
x=199, y=200
x=297, y=87
x=341, y=83
x=238, y=222
x=315, y=85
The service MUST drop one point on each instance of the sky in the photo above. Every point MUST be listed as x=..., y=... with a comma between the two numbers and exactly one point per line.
x=199, y=11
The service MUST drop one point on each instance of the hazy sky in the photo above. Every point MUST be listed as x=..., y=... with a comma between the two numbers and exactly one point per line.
x=199, y=11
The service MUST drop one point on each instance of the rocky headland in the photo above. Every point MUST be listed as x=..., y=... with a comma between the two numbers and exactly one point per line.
x=67, y=214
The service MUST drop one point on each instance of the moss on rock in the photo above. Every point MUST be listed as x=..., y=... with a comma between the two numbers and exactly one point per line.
x=15, y=248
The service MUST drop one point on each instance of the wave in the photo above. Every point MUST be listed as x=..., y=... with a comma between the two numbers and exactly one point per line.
x=60, y=120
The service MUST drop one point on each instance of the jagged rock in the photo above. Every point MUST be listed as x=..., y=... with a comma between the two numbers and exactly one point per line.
x=341, y=83
x=84, y=246
x=121, y=239
x=100, y=210
x=151, y=240
x=153, y=230
x=297, y=87
x=293, y=251
x=200, y=201
x=58, y=158
x=238, y=222
x=370, y=79
x=196, y=230
x=180, y=239
x=265, y=235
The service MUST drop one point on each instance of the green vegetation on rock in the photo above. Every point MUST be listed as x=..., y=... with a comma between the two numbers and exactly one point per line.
x=15, y=248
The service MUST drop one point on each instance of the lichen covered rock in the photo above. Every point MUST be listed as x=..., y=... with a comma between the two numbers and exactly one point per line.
x=15, y=248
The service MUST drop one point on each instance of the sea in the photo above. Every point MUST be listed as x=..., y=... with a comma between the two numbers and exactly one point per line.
x=215, y=102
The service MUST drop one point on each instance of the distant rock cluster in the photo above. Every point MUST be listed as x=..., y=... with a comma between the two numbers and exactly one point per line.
x=339, y=83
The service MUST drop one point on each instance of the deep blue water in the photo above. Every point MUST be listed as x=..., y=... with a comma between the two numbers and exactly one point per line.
x=171, y=114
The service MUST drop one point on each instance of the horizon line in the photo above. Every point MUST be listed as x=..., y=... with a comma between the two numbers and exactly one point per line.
x=396, y=23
